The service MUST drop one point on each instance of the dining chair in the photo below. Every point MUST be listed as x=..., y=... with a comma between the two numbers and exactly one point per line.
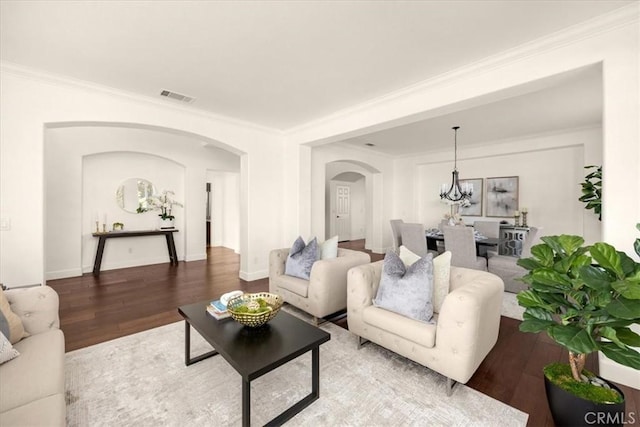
x=440, y=243
x=506, y=266
x=395, y=232
x=462, y=244
x=414, y=238
x=487, y=229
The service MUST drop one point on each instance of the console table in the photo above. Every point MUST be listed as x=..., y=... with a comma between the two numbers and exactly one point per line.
x=102, y=239
x=511, y=239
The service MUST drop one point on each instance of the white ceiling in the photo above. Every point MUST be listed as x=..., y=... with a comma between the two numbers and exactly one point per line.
x=281, y=64
x=566, y=101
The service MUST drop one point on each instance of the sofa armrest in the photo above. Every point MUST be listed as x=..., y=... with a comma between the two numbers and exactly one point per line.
x=278, y=261
x=37, y=307
x=362, y=286
x=469, y=320
x=331, y=274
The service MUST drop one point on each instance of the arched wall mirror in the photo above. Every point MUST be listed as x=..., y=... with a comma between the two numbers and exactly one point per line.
x=133, y=195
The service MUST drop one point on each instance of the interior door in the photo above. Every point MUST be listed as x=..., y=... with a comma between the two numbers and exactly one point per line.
x=343, y=212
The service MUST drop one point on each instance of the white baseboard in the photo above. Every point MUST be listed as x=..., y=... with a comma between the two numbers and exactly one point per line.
x=256, y=275
x=63, y=274
x=127, y=264
x=377, y=250
x=195, y=257
x=613, y=371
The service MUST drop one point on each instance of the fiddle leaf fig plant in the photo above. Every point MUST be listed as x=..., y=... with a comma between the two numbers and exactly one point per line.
x=592, y=190
x=584, y=297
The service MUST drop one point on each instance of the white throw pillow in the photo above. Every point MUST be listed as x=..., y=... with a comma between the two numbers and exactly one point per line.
x=329, y=248
x=7, y=352
x=441, y=277
x=441, y=274
x=407, y=256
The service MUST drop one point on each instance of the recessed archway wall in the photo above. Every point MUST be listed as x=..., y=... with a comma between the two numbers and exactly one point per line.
x=83, y=164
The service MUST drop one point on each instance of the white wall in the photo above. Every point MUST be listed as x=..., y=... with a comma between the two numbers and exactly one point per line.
x=550, y=169
x=101, y=175
x=225, y=214
x=37, y=102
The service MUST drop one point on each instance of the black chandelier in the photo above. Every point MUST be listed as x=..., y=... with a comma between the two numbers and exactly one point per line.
x=456, y=192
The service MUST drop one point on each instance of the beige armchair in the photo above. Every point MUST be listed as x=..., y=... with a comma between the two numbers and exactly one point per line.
x=325, y=292
x=465, y=329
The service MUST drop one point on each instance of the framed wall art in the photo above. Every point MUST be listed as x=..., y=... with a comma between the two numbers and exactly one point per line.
x=475, y=208
x=502, y=196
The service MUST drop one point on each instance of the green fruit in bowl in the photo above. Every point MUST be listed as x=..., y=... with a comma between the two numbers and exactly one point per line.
x=253, y=307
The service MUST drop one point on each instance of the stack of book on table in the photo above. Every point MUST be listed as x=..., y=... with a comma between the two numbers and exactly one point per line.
x=218, y=310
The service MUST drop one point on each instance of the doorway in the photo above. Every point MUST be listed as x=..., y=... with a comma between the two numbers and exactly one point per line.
x=346, y=213
x=342, y=216
x=208, y=215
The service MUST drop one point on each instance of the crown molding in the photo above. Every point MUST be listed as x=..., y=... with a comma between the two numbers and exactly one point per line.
x=511, y=145
x=70, y=82
x=613, y=20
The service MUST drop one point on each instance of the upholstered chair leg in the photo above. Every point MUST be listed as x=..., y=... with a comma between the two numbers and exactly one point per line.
x=450, y=384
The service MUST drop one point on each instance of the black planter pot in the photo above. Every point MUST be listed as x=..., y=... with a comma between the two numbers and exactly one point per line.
x=570, y=410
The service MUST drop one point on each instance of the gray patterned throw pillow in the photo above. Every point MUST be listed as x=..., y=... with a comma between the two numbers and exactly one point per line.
x=301, y=258
x=407, y=290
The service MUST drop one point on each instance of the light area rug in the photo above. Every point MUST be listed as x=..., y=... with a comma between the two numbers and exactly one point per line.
x=510, y=307
x=141, y=380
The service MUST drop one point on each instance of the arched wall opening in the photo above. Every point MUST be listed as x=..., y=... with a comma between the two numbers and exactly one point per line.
x=332, y=164
x=84, y=164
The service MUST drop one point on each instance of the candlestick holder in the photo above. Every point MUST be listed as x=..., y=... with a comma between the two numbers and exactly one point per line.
x=516, y=220
x=104, y=228
x=524, y=219
x=97, y=226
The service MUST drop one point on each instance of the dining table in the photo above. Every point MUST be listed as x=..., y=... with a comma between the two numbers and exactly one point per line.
x=434, y=236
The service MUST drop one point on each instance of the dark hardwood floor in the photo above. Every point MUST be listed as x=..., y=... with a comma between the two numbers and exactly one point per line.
x=122, y=302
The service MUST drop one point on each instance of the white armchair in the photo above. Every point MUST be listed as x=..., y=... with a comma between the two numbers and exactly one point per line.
x=325, y=292
x=466, y=327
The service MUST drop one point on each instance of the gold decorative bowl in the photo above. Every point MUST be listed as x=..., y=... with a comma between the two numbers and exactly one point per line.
x=254, y=310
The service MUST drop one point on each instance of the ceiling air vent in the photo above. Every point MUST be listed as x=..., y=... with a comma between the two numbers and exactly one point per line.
x=177, y=96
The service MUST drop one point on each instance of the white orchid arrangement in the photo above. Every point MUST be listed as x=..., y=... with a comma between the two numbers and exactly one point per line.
x=164, y=203
x=453, y=218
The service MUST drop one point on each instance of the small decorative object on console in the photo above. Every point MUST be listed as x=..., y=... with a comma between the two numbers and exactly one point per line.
x=254, y=310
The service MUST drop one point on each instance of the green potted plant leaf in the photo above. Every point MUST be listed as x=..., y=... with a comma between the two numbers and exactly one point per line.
x=592, y=190
x=585, y=298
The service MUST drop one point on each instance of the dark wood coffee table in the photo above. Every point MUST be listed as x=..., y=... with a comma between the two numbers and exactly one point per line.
x=255, y=351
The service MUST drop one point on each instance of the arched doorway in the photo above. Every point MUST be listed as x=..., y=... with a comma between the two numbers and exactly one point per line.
x=177, y=161
x=353, y=185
